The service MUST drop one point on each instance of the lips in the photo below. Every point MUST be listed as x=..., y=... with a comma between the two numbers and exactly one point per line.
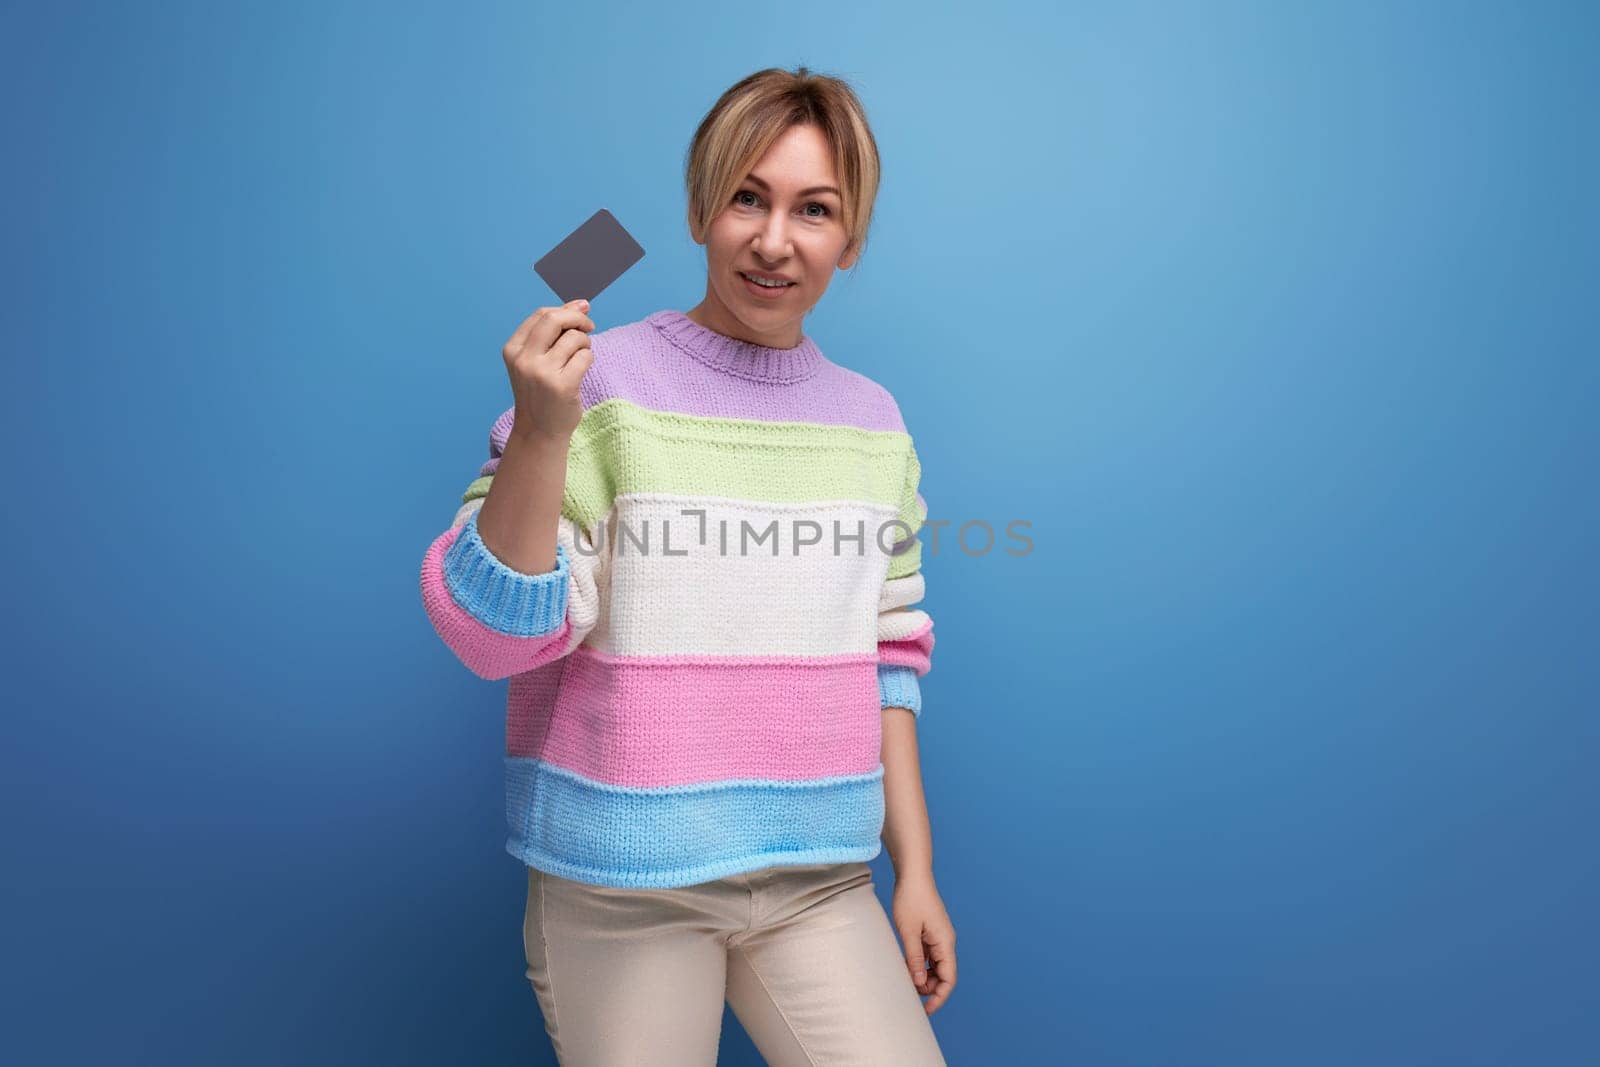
x=763, y=292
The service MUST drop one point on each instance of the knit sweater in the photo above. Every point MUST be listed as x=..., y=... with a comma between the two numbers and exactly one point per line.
x=696, y=687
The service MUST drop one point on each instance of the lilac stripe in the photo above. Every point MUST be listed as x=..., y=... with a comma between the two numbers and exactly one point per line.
x=645, y=363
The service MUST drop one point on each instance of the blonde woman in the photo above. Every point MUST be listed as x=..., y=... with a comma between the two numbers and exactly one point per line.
x=692, y=551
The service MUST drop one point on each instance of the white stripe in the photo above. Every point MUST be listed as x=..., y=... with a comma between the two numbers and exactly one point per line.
x=465, y=512
x=901, y=623
x=733, y=596
x=898, y=592
x=585, y=581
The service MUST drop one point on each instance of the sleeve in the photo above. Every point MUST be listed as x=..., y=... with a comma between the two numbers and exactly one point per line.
x=905, y=632
x=499, y=621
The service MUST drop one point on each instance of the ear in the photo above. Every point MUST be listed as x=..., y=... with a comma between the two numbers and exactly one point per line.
x=851, y=254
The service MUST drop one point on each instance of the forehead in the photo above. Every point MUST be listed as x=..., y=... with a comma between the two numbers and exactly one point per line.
x=800, y=159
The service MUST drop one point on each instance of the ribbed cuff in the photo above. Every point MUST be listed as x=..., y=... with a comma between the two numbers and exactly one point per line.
x=522, y=605
x=898, y=688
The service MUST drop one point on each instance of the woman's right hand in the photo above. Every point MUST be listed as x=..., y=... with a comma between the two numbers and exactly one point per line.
x=546, y=360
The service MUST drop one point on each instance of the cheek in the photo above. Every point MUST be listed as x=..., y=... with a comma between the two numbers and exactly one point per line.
x=730, y=242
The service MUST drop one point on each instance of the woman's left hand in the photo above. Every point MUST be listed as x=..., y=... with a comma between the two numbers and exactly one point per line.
x=927, y=936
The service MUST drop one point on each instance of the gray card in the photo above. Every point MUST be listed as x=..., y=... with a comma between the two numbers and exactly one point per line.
x=589, y=258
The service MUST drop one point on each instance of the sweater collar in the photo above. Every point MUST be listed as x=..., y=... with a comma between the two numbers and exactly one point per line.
x=742, y=359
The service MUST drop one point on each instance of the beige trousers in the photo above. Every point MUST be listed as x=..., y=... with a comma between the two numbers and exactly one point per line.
x=805, y=956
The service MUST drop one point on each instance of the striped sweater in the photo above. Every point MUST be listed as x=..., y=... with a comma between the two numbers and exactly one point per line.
x=696, y=686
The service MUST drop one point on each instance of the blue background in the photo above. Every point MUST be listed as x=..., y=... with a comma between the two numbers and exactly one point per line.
x=1275, y=321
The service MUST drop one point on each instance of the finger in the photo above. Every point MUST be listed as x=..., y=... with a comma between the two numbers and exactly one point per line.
x=916, y=962
x=544, y=324
x=943, y=975
x=548, y=331
x=568, y=345
x=943, y=955
x=938, y=993
x=578, y=365
x=920, y=977
x=571, y=332
x=519, y=337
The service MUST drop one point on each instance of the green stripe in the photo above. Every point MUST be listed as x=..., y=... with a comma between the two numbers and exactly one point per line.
x=914, y=513
x=479, y=487
x=620, y=447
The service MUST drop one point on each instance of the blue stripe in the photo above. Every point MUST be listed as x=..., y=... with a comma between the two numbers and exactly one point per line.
x=573, y=826
x=522, y=605
x=898, y=688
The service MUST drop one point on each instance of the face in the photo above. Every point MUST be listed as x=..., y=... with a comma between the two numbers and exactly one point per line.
x=781, y=220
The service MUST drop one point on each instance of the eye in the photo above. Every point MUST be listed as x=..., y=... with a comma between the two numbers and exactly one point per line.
x=826, y=211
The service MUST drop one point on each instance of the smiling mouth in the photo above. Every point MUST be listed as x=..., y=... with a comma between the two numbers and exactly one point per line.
x=763, y=290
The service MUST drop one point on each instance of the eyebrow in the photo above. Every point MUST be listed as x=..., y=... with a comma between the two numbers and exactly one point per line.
x=803, y=192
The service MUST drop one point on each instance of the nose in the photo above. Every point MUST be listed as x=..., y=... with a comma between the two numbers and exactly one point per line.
x=772, y=240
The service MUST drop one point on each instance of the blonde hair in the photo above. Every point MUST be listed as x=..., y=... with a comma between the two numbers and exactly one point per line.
x=755, y=112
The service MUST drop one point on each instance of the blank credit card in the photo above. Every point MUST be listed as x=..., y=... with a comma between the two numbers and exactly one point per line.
x=589, y=258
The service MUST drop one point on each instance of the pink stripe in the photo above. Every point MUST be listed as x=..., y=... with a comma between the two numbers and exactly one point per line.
x=487, y=652
x=673, y=720
x=915, y=651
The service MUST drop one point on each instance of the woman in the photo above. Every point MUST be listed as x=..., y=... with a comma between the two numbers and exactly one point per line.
x=693, y=552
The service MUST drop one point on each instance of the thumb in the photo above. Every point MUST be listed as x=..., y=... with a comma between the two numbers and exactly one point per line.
x=916, y=963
